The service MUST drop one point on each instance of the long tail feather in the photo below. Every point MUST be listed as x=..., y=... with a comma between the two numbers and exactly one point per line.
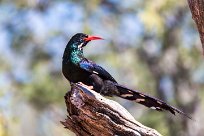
x=146, y=100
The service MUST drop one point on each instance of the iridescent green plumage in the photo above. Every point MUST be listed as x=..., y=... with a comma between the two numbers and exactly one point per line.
x=73, y=54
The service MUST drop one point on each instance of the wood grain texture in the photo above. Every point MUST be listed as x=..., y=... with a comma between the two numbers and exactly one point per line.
x=92, y=114
x=197, y=10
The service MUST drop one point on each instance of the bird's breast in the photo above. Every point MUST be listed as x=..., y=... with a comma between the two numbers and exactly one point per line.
x=74, y=73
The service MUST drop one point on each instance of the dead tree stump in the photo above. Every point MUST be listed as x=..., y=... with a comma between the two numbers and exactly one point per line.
x=90, y=114
x=197, y=10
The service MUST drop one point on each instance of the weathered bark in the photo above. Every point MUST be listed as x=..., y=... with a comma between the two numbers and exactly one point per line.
x=197, y=10
x=92, y=114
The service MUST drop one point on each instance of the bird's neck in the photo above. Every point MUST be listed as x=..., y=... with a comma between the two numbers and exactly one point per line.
x=73, y=55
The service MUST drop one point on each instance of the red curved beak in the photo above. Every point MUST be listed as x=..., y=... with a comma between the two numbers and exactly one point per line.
x=89, y=38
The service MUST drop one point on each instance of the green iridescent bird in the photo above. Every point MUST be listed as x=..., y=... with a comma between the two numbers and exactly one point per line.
x=76, y=68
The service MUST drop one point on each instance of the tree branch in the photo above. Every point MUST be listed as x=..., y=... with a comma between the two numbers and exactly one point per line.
x=197, y=10
x=92, y=114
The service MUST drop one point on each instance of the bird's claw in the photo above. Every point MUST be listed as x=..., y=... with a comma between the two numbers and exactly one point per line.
x=80, y=83
x=86, y=86
x=90, y=87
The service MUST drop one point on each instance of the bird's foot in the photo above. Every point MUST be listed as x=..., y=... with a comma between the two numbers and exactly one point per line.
x=86, y=86
x=90, y=87
x=80, y=83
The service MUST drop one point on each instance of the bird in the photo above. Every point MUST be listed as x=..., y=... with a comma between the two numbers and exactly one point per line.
x=78, y=69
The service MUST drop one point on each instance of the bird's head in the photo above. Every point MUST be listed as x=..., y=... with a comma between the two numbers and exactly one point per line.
x=80, y=40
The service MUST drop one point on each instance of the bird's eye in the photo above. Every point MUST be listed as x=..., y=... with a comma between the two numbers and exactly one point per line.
x=81, y=40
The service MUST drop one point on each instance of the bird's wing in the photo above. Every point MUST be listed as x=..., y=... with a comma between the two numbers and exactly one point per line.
x=95, y=69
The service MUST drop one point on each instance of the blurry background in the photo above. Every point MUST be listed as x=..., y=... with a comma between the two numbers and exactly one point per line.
x=150, y=45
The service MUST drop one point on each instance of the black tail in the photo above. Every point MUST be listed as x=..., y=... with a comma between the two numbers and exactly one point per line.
x=146, y=100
